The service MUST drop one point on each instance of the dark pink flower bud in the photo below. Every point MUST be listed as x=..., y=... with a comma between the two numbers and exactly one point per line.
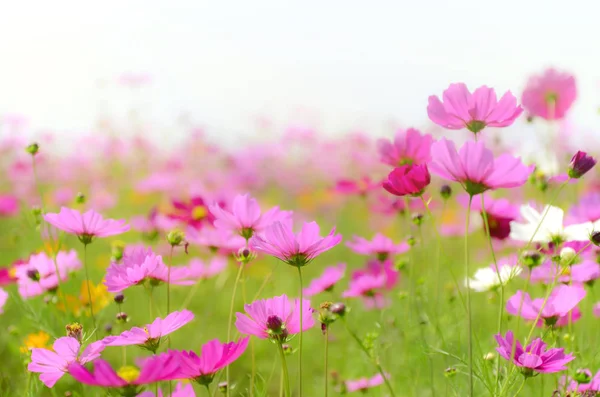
x=581, y=163
x=408, y=180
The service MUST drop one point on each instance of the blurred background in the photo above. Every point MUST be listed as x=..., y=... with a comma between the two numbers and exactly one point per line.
x=246, y=70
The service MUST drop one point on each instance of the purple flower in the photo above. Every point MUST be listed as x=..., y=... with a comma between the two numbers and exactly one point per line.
x=581, y=163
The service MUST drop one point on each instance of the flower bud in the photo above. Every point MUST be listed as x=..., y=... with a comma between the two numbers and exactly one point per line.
x=532, y=259
x=117, y=250
x=245, y=255
x=287, y=349
x=80, y=198
x=583, y=376
x=595, y=238
x=108, y=328
x=122, y=317
x=567, y=256
x=339, y=309
x=411, y=240
x=32, y=149
x=119, y=298
x=33, y=274
x=222, y=386
x=175, y=237
x=581, y=163
x=445, y=192
x=75, y=330
x=450, y=372
x=417, y=219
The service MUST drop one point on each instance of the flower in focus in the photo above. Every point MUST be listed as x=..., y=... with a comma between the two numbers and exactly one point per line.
x=363, y=384
x=277, y=318
x=562, y=300
x=331, y=275
x=549, y=95
x=194, y=213
x=296, y=249
x=380, y=246
x=580, y=164
x=245, y=217
x=39, y=274
x=549, y=228
x=214, y=356
x=150, y=336
x=86, y=226
x=534, y=358
x=52, y=365
x=475, y=167
x=461, y=109
x=408, y=147
x=488, y=278
x=35, y=340
x=408, y=180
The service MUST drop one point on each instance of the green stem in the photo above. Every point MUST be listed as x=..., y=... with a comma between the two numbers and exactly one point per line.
x=235, y=285
x=89, y=288
x=301, y=332
x=207, y=389
x=521, y=388
x=468, y=275
x=169, y=283
x=284, y=370
x=326, y=359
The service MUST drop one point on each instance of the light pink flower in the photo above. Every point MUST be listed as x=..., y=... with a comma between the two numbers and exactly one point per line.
x=86, y=226
x=245, y=217
x=380, y=246
x=360, y=186
x=331, y=275
x=3, y=299
x=296, y=249
x=150, y=336
x=579, y=273
x=52, y=365
x=475, y=167
x=363, y=384
x=408, y=147
x=224, y=241
x=370, y=288
x=587, y=209
x=198, y=269
x=9, y=205
x=277, y=318
x=39, y=274
x=549, y=95
x=461, y=109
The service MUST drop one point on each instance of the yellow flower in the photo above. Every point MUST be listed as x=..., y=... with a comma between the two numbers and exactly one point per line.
x=39, y=339
x=80, y=304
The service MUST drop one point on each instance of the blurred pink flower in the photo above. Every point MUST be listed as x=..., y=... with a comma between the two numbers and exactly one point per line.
x=52, y=365
x=587, y=208
x=39, y=274
x=199, y=269
x=363, y=384
x=408, y=180
x=549, y=95
x=461, y=109
x=408, y=147
x=500, y=212
x=223, y=241
x=3, y=299
x=360, y=186
x=194, y=213
x=579, y=273
x=380, y=246
x=86, y=226
x=9, y=205
x=331, y=275
x=181, y=390
x=475, y=167
x=370, y=288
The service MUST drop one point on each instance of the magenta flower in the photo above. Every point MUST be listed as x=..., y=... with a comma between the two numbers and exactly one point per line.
x=39, y=274
x=150, y=336
x=128, y=379
x=370, y=288
x=86, y=226
x=360, y=186
x=245, y=218
x=297, y=249
x=580, y=273
x=218, y=240
x=276, y=318
x=562, y=300
x=194, y=213
x=500, y=212
x=3, y=299
x=52, y=365
x=380, y=246
x=331, y=275
x=581, y=163
x=408, y=180
x=535, y=357
x=214, y=356
x=461, y=109
x=475, y=167
x=363, y=384
x=140, y=265
x=9, y=205
x=408, y=147
x=550, y=95
x=587, y=209
x=180, y=390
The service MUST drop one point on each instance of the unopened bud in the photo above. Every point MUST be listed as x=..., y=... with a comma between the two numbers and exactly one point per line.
x=108, y=328
x=33, y=274
x=595, y=238
x=339, y=309
x=122, y=316
x=450, y=372
x=245, y=255
x=445, y=192
x=567, y=256
x=532, y=259
x=222, y=386
x=32, y=149
x=583, y=376
x=80, y=198
x=411, y=240
x=175, y=237
x=417, y=219
x=117, y=250
x=119, y=298
x=581, y=163
x=287, y=349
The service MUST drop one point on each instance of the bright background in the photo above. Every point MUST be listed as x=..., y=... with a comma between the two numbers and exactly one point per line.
x=227, y=65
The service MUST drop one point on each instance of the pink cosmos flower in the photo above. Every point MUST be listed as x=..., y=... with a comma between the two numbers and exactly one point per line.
x=194, y=213
x=245, y=218
x=587, y=208
x=500, y=212
x=370, y=288
x=39, y=274
x=562, y=300
x=150, y=336
x=376, y=268
x=141, y=265
x=380, y=246
x=198, y=269
x=219, y=240
x=535, y=357
x=9, y=205
x=86, y=226
x=408, y=180
x=180, y=390
x=276, y=318
x=214, y=356
x=153, y=222
x=52, y=365
x=331, y=275
x=593, y=385
x=580, y=273
x=128, y=379
x=3, y=299
x=549, y=95
x=363, y=384
x=296, y=249
x=408, y=147
x=361, y=186
x=475, y=167
x=461, y=109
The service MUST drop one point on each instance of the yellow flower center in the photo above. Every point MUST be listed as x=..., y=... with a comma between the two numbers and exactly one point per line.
x=199, y=212
x=12, y=272
x=128, y=373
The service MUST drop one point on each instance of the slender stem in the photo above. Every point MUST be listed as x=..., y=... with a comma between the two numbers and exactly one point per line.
x=89, y=289
x=284, y=371
x=235, y=285
x=169, y=283
x=326, y=359
x=36, y=181
x=207, y=389
x=500, y=282
x=469, y=320
x=301, y=332
x=151, y=303
x=521, y=388
x=373, y=361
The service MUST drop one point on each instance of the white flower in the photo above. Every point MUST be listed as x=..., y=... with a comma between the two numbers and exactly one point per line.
x=486, y=278
x=551, y=228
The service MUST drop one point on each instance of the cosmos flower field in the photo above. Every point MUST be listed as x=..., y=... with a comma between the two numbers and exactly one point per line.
x=431, y=262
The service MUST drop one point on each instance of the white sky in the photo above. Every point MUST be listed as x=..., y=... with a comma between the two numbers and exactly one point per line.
x=338, y=64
